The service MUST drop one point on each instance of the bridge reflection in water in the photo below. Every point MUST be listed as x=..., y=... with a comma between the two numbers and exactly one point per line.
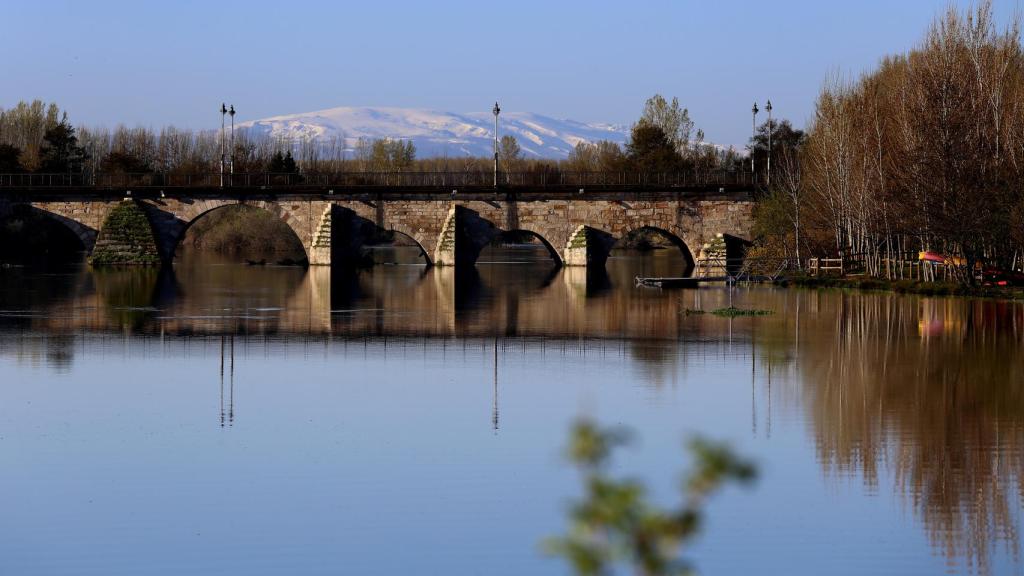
x=532, y=299
x=919, y=397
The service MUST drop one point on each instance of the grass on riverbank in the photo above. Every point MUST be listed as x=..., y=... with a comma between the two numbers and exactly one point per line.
x=904, y=287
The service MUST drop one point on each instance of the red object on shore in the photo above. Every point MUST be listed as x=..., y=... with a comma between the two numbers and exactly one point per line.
x=998, y=277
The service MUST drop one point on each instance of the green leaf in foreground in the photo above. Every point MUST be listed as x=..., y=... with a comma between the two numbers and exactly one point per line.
x=615, y=526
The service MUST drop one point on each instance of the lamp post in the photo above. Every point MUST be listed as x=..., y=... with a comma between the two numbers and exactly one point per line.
x=768, y=107
x=496, y=111
x=753, y=137
x=223, y=111
x=231, y=163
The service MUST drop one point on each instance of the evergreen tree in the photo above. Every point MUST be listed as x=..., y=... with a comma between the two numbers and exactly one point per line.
x=786, y=141
x=650, y=150
x=290, y=167
x=124, y=163
x=407, y=154
x=276, y=163
x=10, y=159
x=61, y=152
x=282, y=163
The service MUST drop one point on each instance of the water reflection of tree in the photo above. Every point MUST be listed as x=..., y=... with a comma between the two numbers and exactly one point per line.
x=932, y=390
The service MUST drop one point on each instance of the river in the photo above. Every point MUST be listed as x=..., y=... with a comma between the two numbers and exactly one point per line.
x=218, y=418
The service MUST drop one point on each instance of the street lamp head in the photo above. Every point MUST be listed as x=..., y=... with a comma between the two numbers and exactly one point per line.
x=496, y=110
x=223, y=108
x=232, y=110
x=754, y=109
x=768, y=106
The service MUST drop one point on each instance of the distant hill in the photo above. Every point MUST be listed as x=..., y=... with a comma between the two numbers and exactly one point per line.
x=439, y=133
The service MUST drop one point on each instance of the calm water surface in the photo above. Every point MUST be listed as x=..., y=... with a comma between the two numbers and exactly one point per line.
x=224, y=419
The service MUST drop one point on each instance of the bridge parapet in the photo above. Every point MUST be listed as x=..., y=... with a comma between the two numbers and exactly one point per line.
x=549, y=180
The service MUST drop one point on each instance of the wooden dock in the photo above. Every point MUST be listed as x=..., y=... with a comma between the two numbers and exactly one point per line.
x=695, y=281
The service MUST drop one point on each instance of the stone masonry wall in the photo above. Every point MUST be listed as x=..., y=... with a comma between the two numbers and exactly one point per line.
x=556, y=218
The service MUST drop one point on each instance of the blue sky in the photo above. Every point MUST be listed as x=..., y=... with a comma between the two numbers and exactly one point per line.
x=157, y=63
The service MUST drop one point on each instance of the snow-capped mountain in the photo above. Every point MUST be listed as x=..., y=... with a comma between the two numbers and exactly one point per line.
x=438, y=133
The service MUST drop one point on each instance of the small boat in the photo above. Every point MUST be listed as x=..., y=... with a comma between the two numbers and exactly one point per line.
x=929, y=256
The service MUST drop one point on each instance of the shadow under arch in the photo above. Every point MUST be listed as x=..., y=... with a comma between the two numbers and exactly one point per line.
x=270, y=208
x=641, y=238
x=521, y=237
x=359, y=242
x=405, y=237
x=35, y=235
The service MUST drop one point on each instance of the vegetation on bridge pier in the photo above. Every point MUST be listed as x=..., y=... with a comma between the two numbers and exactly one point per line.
x=126, y=238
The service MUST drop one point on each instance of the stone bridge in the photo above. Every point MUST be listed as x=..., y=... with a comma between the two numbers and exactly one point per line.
x=579, y=229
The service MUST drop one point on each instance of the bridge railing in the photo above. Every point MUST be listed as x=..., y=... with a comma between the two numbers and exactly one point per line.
x=551, y=179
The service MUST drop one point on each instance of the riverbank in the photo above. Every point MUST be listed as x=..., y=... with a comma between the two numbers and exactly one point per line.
x=904, y=287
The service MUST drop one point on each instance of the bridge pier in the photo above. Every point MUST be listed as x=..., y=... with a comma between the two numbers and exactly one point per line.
x=339, y=238
x=320, y=250
x=721, y=256
x=588, y=247
x=463, y=236
x=126, y=238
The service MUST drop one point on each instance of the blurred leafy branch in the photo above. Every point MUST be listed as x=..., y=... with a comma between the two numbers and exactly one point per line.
x=615, y=525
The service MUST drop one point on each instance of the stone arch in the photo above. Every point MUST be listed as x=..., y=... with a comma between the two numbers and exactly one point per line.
x=477, y=224
x=196, y=211
x=86, y=234
x=415, y=237
x=556, y=256
x=675, y=239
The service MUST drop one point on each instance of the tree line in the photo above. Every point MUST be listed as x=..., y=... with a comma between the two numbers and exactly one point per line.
x=38, y=137
x=925, y=153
